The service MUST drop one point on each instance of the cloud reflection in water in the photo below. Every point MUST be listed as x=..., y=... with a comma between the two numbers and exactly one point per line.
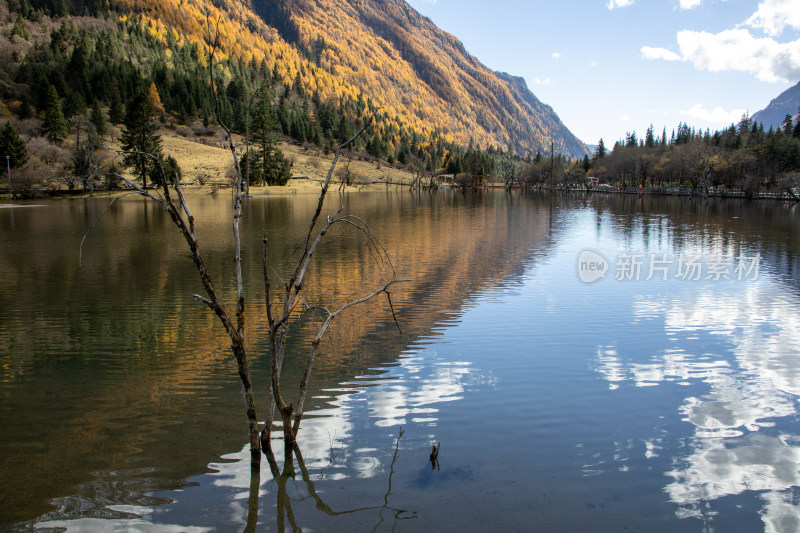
x=737, y=443
x=404, y=394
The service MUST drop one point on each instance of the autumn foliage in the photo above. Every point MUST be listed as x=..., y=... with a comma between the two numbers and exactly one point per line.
x=420, y=77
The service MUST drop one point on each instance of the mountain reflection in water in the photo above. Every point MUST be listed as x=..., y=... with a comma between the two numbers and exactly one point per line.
x=559, y=405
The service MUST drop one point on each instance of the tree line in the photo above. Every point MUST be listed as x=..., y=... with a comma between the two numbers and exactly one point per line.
x=743, y=157
x=78, y=80
x=91, y=76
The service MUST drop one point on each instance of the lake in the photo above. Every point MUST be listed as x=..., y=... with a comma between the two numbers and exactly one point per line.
x=594, y=363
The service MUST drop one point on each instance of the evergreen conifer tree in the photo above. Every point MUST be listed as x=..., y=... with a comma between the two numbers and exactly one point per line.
x=24, y=108
x=98, y=119
x=55, y=125
x=115, y=112
x=601, y=149
x=20, y=28
x=12, y=145
x=140, y=139
x=171, y=169
x=268, y=165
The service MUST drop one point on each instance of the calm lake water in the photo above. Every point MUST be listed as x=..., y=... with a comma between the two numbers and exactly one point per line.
x=660, y=396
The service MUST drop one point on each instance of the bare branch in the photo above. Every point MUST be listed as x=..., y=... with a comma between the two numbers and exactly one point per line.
x=267, y=285
x=183, y=203
x=399, y=514
x=394, y=315
x=293, y=291
x=362, y=300
x=237, y=334
x=321, y=200
x=96, y=222
x=140, y=191
x=318, y=339
x=370, y=238
x=206, y=301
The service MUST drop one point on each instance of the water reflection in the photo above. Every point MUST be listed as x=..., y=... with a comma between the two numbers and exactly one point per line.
x=413, y=398
x=291, y=487
x=738, y=442
x=507, y=360
x=407, y=393
x=119, y=361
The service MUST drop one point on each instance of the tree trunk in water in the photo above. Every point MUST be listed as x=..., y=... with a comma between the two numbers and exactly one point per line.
x=249, y=401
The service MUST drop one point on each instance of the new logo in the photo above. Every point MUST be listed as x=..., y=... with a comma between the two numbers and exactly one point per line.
x=591, y=266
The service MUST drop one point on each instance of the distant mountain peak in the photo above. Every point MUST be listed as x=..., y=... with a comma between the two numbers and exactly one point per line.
x=786, y=103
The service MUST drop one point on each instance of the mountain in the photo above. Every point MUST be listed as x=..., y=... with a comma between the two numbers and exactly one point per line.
x=386, y=50
x=787, y=103
x=549, y=123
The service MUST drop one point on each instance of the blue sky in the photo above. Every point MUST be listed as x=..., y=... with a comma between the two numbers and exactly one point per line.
x=608, y=67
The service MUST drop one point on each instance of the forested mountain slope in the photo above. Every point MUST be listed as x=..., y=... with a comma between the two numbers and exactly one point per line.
x=358, y=55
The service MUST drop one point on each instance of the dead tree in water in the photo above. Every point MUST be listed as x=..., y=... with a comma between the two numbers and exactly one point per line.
x=174, y=203
x=291, y=414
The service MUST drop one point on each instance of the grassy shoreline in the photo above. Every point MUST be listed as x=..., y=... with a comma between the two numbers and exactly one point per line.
x=206, y=167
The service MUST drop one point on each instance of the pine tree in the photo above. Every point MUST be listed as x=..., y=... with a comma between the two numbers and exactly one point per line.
x=650, y=140
x=57, y=8
x=55, y=125
x=98, y=119
x=20, y=28
x=601, y=149
x=171, y=169
x=140, y=138
x=277, y=169
x=24, y=108
x=786, y=126
x=796, y=131
x=267, y=164
x=115, y=113
x=84, y=158
x=13, y=146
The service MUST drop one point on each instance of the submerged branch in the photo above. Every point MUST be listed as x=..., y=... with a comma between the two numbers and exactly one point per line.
x=96, y=222
x=318, y=339
x=325, y=508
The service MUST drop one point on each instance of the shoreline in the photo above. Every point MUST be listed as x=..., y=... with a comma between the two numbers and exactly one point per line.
x=308, y=186
x=295, y=186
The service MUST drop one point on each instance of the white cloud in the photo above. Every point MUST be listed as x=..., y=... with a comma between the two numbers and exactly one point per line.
x=738, y=50
x=539, y=81
x=556, y=55
x=618, y=3
x=714, y=116
x=649, y=52
x=773, y=16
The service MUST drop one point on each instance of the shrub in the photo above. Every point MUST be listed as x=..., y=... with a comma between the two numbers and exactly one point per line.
x=184, y=131
x=35, y=174
x=203, y=130
x=48, y=152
